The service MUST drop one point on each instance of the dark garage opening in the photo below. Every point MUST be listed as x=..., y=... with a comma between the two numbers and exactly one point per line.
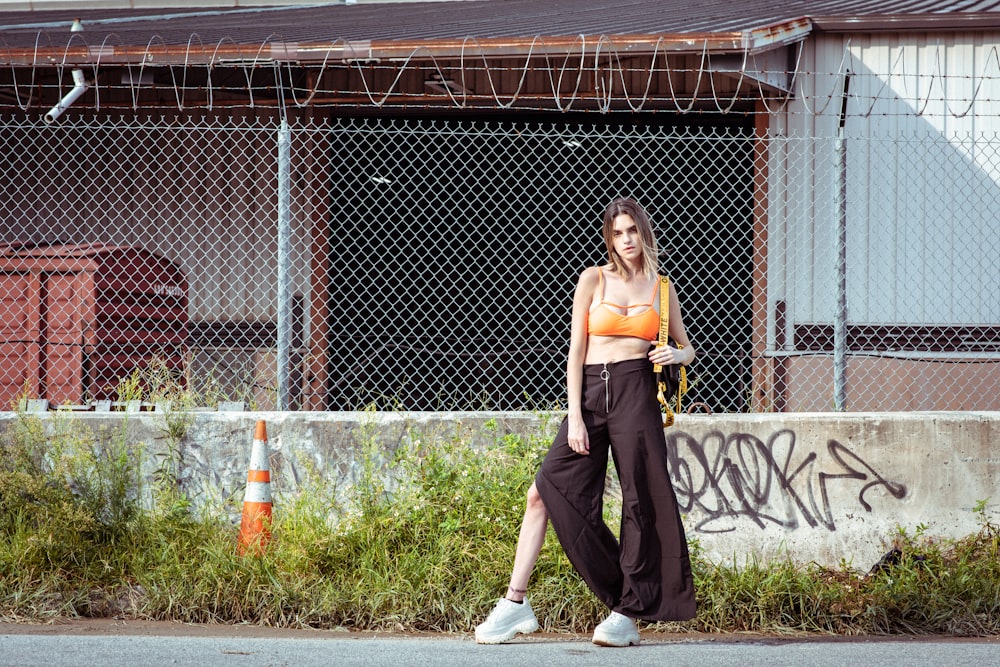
x=457, y=243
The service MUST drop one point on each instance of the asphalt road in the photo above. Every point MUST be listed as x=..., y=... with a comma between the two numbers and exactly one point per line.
x=49, y=646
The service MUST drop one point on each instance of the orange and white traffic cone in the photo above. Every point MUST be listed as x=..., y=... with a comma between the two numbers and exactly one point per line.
x=255, y=528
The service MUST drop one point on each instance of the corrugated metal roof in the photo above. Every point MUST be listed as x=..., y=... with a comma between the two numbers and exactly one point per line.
x=428, y=22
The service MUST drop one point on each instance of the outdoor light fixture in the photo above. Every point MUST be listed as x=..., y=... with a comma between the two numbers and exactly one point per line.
x=79, y=85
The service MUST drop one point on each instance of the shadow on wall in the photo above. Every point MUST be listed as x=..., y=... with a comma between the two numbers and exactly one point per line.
x=921, y=235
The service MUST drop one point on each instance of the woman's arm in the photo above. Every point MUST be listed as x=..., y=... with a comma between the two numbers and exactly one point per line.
x=677, y=331
x=667, y=355
x=582, y=299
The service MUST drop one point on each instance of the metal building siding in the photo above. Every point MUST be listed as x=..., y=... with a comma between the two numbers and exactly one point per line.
x=919, y=192
x=145, y=193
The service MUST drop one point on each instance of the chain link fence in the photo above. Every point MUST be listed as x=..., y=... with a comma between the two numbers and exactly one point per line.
x=430, y=264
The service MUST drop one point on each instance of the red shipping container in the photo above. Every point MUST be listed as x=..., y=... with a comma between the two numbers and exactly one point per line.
x=75, y=319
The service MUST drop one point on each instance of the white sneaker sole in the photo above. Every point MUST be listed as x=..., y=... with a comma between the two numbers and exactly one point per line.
x=603, y=641
x=523, y=628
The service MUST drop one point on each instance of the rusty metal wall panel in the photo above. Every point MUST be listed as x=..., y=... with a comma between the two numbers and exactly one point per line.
x=83, y=317
x=65, y=307
x=20, y=330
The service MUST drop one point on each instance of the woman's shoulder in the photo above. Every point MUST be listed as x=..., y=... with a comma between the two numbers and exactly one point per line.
x=589, y=279
x=591, y=275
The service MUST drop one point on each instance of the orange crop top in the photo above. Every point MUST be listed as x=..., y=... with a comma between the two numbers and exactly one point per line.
x=602, y=321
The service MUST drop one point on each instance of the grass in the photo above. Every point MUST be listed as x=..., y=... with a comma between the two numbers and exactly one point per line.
x=422, y=540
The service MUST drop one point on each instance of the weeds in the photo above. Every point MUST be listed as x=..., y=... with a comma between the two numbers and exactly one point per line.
x=69, y=509
x=178, y=390
x=422, y=539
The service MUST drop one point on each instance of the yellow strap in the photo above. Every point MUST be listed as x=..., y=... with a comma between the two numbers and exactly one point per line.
x=663, y=339
x=682, y=386
x=668, y=414
x=664, y=316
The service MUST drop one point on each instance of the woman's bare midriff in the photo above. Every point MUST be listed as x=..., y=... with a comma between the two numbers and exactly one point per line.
x=610, y=349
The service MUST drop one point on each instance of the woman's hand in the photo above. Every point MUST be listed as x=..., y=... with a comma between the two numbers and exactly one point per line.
x=579, y=442
x=666, y=355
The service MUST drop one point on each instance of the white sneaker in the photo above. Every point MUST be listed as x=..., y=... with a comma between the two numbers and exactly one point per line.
x=616, y=630
x=506, y=620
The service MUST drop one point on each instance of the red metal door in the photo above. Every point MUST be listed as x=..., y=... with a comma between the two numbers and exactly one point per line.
x=63, y=316
x=20, y=332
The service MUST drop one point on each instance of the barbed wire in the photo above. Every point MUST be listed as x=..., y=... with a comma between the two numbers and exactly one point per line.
x=596, y=74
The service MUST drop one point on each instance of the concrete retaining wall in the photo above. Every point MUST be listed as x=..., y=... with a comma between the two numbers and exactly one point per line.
x=817, y=487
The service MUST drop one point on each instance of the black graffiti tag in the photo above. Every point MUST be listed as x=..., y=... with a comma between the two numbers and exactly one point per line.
x=724, y=478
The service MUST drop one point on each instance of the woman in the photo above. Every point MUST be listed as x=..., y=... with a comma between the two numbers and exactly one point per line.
x=612, y=403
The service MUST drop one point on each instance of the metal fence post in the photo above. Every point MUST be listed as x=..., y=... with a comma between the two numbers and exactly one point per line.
x=840, y=317
x=284, y=333
x=370, y=240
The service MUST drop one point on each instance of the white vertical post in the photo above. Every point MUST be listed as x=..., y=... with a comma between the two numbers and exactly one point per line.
x=840, y=317
x=284, y=332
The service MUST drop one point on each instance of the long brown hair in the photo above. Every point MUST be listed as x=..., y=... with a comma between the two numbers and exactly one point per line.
x=628, y=206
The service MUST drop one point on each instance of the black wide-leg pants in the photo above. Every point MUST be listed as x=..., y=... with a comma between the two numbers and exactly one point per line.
x=647, y=575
